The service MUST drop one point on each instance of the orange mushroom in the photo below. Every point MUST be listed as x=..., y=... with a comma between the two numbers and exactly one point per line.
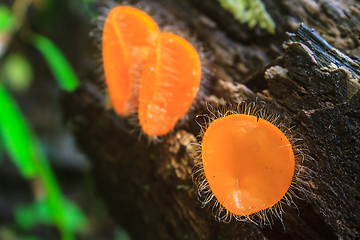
x=169, y=83
x=129, y=35
x=248, y=163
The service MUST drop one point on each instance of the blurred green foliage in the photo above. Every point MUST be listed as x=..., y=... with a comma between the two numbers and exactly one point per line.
x=87, y=6
x=59, y=66
x=7, y=22
x=120, y=234
x=249, y=11
x=24, y=148
x=8, y=234
x=27, y=216
x=17, y=137
x=17, y=72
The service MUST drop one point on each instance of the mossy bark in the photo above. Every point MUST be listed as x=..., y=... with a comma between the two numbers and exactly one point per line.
x=147, y=186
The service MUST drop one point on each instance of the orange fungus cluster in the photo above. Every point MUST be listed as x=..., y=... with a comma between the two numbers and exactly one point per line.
x=247, y=162
x=157, y=74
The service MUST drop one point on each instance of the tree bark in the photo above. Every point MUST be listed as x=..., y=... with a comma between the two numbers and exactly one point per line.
x=147, y=186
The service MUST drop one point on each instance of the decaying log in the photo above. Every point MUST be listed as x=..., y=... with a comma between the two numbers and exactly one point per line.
x=147, y=186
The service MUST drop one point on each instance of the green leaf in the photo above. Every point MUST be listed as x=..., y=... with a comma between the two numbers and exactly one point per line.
x=7, y=22
x=40, y=212
x=17, y=137
x=17, y=72
x=58, y=64
x=25, y=150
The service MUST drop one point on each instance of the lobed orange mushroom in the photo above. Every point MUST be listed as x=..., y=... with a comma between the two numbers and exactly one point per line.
x=169, y=83
x=156, y=74
x=129, y=35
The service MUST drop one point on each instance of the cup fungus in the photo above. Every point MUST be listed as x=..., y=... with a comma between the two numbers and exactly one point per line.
x=169, y=83
x=247, y=165
x=156, y=74
x=129, y=36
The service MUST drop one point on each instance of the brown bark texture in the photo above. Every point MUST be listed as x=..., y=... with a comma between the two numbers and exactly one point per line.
x=311, y=81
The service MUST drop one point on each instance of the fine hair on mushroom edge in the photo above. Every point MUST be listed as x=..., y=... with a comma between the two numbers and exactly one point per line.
x=301, y=182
